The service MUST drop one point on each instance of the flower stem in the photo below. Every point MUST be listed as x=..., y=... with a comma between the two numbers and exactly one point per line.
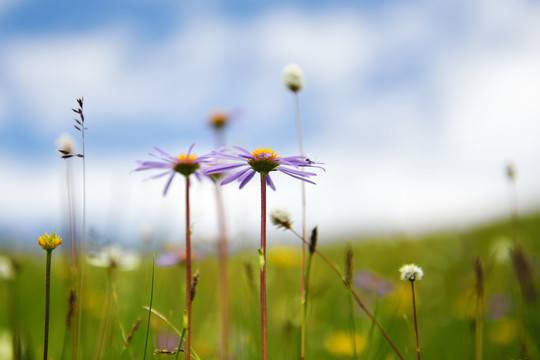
x=47, y=303
x=415, y=321
x=188, y=273
x=303, y=295
x=263, y=269
x=150, y=306
x=223, y=278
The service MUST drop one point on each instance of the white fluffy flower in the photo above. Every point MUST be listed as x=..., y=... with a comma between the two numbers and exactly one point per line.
x=114, y=257
x=7, y=270
x=411, y=272
x=281, y=217
x=66, y=143
x=293, y=77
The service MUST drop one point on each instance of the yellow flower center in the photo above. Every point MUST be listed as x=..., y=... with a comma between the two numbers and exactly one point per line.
x=265, y=153
x=184, y=159
x=265, y=160
x=184, y=164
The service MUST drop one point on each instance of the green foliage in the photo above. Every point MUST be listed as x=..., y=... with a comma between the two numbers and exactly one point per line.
x=445, y=297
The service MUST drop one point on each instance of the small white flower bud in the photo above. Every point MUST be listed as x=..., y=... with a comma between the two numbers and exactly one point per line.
x=411, y=272
x=281, y=217
x=66, y=143
x=293, y=77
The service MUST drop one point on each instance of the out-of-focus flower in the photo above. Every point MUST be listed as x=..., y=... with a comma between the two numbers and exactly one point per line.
x=284, y=256
x=49, y=242
x=372, y=283
x=262, y=161
x=293, y=77
x=66, y=144
x=7, y=268
x=498, y=305
x=281, y=217
x=219, y=119
x=341, y=344
x=501, y=248
x=6, y=344
x=166, y=342
x=511, y=172
x=503, y=331
x=184, y=164
x=411, y=272
x=112, y=256
x=172, y=258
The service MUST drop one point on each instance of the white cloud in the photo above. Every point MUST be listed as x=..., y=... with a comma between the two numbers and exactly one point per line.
x=425, y=152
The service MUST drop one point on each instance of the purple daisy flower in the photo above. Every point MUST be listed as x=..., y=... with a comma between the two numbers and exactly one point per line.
x=262, y=161
x=184, y=164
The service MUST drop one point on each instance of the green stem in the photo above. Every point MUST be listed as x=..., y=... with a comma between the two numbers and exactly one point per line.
x=353, y=326
x=47, y=303
x=150, y=306
x=263, y=270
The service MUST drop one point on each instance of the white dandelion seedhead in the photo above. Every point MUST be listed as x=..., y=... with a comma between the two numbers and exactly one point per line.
x=411, y=272
x=66, y=143
x=112, y=256
x=293, y=77
x=281, y=217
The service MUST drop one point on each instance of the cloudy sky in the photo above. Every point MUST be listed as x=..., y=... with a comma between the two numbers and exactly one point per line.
x=414, y=106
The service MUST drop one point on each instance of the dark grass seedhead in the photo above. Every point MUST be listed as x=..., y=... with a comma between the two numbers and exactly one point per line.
x=313, y=240
x=479, y=271
x=72, y=304
x=524, y=274
x=132, y=332
x=194, y=284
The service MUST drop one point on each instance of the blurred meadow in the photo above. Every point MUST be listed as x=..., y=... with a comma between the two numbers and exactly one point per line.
x=412, y=126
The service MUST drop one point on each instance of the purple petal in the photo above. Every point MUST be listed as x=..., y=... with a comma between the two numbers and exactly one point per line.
x=247, y=178
x=297, y=177
x=234, y=176
x=247, y=153
x=270, y=183
x=189, y=151
x=168, y=184
x=296, y=172
x=222, y=168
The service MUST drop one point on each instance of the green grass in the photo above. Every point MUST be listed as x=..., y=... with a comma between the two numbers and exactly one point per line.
x=445, y=299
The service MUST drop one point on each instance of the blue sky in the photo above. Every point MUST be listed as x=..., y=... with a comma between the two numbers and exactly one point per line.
x=415, y=107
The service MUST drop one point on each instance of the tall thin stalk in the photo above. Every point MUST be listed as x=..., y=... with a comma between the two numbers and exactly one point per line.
x=479, y=324
x=303, y=297
x=415, y=321
x=262, y=253
x=188, y=273
x=223, y=277
x=47, y=304
x=150, y=306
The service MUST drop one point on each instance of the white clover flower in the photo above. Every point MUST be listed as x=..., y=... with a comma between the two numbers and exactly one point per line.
x=411, y=272
x=66, y=143
x=114, y=257
x=293, y=77
x=7, y=270
x=281, y=217
x=6, y=344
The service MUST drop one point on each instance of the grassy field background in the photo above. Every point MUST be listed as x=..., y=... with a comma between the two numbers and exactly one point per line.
x=446, y=301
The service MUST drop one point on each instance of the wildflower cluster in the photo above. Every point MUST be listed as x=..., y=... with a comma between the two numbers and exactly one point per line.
x=49, y=242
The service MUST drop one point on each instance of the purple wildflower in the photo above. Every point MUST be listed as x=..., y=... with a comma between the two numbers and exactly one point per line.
x=184, y=164
x=262, y=161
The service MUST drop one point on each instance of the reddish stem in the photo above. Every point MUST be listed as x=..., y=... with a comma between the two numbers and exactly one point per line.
x=415, y=322
x=188, y=274
x=263, y=269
